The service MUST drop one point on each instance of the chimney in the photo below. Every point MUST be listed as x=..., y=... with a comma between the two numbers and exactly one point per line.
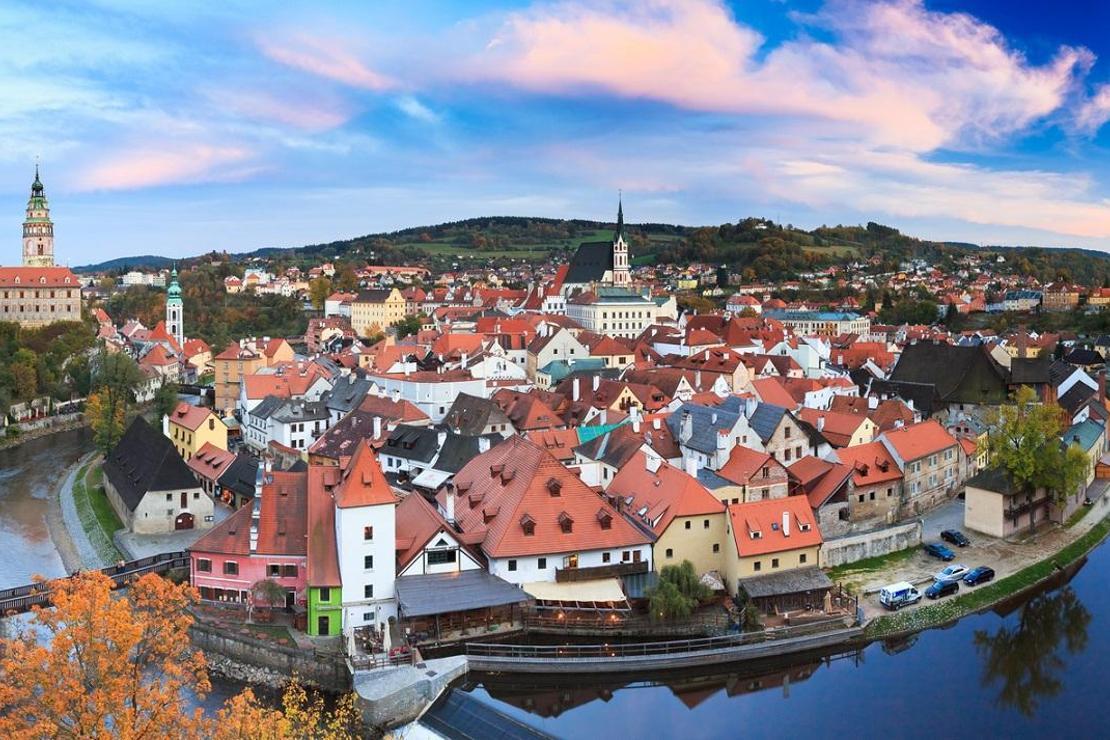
x=396, y=395
x=597, y=382
x=464, y=356
x=713, y=418
x=686, y=428
x=786, y=524
x=872, y=402
x=483, y=445
x=750, y=405
x=166, y=425
x=820, y=423
x=651, y=463
x=576, y=388
x=449, y=504
x=697, y=380
x=377, y=427
x=691, y=466
x=722, y=440
x=656, y=423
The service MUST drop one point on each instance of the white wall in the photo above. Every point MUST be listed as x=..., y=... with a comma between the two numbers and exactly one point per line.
x=527, y=570
x=358, y=610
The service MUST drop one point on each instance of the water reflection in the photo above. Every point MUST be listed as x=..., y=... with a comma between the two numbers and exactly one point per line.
x=1025, y=659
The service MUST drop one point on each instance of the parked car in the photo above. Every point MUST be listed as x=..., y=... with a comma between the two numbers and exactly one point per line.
x=977, y=575
x=956, y=537
x=897, y=595
x=951, y=573
x=942, y=588
x=938, y=550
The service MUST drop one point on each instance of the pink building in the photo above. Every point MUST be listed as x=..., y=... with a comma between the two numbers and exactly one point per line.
x=266, y=540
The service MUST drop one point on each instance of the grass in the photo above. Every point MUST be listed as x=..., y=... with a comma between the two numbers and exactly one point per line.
x=983, y=596
x=97, y=517
x=1075, y=517
x=870, y=565
x=271, y=632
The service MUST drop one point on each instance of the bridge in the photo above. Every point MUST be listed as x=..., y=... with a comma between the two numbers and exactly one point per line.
x=21, y=598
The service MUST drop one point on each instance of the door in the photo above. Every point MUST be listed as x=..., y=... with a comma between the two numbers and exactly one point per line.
x=322, y=625
x=183, y=521
x=184, y=499
x=290, y=599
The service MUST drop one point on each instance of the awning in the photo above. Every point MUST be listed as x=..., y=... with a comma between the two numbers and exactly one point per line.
x=440, y=593
x=431, y=479
x=601, y=592
x=797, y=580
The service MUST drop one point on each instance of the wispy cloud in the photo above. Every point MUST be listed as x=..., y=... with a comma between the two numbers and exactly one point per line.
x=326, y=57
x=413, y=108
x=142, y=166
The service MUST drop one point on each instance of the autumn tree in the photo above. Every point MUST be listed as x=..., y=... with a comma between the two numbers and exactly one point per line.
x=106, y=422
x=98, y=665
x=319, y=290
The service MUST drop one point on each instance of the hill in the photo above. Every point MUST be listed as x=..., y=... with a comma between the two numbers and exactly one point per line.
x=125, y=264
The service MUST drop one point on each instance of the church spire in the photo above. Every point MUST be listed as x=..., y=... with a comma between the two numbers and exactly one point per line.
x=620, y=216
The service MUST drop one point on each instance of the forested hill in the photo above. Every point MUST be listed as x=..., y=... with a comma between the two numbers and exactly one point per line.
x=758, y=248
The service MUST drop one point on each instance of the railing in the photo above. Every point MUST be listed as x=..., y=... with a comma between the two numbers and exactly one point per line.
x=641, y=649
x=569, y=620
x=565, y=575
x=1015, y=512
x=22, y=598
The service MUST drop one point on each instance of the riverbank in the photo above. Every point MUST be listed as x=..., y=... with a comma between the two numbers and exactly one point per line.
x=62, y=532
x=55, y=425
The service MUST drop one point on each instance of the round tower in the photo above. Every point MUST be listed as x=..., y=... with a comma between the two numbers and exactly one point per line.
x=175, y=310
x=38, y=229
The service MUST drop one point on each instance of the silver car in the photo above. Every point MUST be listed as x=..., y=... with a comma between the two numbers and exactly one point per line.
x=953, y=572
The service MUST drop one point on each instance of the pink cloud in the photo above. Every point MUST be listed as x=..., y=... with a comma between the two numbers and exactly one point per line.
x=311, y=112
x=324, y=57
x=152, y=166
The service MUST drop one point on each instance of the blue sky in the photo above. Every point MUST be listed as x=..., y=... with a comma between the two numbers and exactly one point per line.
x=174, y=128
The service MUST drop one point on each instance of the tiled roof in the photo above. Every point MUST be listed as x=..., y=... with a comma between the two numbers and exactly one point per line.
x=282, y=522
x=765, y=419
x=834, y=426
x=771, y=390
x=323, y=557
x=190, y=417
x=210, y=461
x=363, y=483
x=38, y=277
x=871, y=463
x=757, y=526
x=743, y=464
x=657, y=497
x=145, y=460
x=918, y=440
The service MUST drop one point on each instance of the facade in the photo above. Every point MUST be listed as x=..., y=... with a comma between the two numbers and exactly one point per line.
x=244, y=358
x=175, y=311
x=821, y=323
x=876, y=483
x=374, y=311
x=749, y=475
x=192, y=427
x=929, y=458
x=995, y=506
x=614, y=312
x=600, y=263
x=768, y=537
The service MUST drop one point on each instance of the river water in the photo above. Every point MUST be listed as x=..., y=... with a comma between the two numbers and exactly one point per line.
x=1033, y=669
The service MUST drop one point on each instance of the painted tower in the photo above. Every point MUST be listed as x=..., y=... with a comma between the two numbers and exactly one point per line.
x=621, y=273
x=175, y=310
x=38, y=229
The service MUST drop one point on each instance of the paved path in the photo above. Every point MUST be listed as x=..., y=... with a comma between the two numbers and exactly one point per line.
x=136, y=546
x=86, y=552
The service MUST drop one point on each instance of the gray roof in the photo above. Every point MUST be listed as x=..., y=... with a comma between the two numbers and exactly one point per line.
x=590, y=262
x=439, y=593
x=348, y=394
x=240, y=475
x=791, y=581
x=707, y=421
x=637, y=585
x=994, y=479
x=293, y=412
x=267, y=407
x=472, y=414
x=765, y=420
x=711, y=480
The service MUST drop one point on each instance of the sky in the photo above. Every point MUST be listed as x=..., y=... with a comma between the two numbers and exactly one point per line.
x=179, y=128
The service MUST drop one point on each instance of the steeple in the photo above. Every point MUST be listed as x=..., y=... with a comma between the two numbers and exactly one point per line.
x=620, y=272
x=620, y=216
x=175, y=309
x=38, y=229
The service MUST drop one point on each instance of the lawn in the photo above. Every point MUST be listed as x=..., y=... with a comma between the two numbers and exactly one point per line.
x=974, y=600
x=98, y=519
x=870, y=565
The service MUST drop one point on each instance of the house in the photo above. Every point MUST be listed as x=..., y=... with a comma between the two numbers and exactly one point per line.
x=612, y=311
x=687, y=521
x=778, y=432
x=208, y=464
x=346, y=394
x=536, y=521
x=150, y=487
x=553, y=344
x=707, y=434
x=929, y=458
x=996, y=506
x=192, y=427
x=373, y=311
x=826, y=484
x=748, y=475
x=243, y=358
x=260, y=542
x=876, y=484
x=769, y=536
x=840, y=429
x=323, y=582
x=599, y=458
x=475, y=416
x=431, y=391
x=962, y=376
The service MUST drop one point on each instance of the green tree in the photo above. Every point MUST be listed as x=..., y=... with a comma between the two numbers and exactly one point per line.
x=408, y=326
x=1025, y=443
x=345, y=278
x=166, y=400
x=106, y=421
x=318, y=291
x=24, y=380
x=677, y=593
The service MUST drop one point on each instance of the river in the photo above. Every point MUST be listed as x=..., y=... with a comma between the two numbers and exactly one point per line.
x=1035, y=669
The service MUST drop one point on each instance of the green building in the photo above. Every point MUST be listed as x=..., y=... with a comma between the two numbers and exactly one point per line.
x=325, y=610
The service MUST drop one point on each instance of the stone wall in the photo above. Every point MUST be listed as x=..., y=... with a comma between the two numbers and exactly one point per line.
x=843, y=550
x=36, y=428
x=392, y=697
x=329, y=672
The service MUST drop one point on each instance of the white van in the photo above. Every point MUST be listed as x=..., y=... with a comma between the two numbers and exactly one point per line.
x=897, y=595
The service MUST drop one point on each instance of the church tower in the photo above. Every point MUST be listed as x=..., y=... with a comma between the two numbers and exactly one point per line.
x=38, y=229
x=175, y=310
x=621, y=274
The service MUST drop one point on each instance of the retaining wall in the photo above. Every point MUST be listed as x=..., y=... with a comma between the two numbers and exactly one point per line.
x=329, y=672
x=392, y=697
x=844, y=550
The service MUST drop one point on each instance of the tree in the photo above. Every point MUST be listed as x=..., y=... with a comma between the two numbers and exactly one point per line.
x=1025, y=443
x=345, y=278
x=319, y=290
x=408, y=326
x=268, y=592
x=677, y=593
x=166, y=400
x=116, y=377
x=24, y=380
x=106, y=422
x=117, y=667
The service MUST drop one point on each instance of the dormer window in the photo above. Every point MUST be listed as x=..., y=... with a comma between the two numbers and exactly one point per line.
x=566, y=523
x=756, y=534
x=554, y=487
x=528, y=524
x=605, y=519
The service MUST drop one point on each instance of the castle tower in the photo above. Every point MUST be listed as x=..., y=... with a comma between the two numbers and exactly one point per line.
x=175, y=310
x=38, y=229
x=621, y=274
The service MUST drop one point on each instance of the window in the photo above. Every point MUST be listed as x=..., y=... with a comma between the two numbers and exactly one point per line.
x=441, y=557
x=705, y=524
x=196, y=495
x=786, y=432
x=757, y=566
x=872, y=495
x=325, y=594
x=541, y=563
x=786, y=455
x=774, y=562
x=801, y=558
x=204, y=565
x=169, y=497
x=512, y=566
x=861, y=498
x=231, y=568
x=368, y=562
x=273, y=570
x=670, y=553
x=626, y=556
x=366, y=616
x=687, y=524
x=368, y=591
x=367, y=533
x=716, y=547
x=605, y=557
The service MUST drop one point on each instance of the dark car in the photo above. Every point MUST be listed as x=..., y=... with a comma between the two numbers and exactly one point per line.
x=956, y=537
x=938, y=550
x=942, y=588
x=978, y=575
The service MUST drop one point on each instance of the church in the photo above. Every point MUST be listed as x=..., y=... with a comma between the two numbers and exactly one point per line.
x=602, y=263
x=39, y=292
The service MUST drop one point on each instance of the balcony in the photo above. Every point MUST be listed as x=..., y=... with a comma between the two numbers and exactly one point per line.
x=567, y=575
x=1017, y=511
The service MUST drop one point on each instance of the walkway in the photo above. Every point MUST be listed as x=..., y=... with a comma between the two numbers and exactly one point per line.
x=93, y=555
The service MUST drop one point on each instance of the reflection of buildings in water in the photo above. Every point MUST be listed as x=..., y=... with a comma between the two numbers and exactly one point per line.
x=1059, y=579
x=552, y=697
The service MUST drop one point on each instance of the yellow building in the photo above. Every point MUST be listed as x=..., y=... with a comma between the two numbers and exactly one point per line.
x=244, y=358
x=191, y=427
x=376, y=310
x=769, y=537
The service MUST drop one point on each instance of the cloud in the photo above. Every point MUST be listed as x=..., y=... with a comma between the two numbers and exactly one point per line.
x=303, y=110
x=1094, y=112
x=323, y=57
x=151, y=165
x=413, y=108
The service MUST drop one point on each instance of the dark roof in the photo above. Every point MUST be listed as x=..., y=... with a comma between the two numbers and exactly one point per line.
x=240, y=475
x=765, y=419
x=373, y=296
x=267, y=407
x=637, y=585
x=786, y=582
x=994, y=479
x=923, y=396
x=960, y=374
x=440, y=593
x=1083, y=356
x=1059, y=371
x=295, y=411
x=144, y=460
x=459, y=449
x=471, y=414
x=412, y=443
x=348, y=393
x=1030, y=371
x=1076, y=397
x=590, y=262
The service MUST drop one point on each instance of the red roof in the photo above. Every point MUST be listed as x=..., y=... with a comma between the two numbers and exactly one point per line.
x=661, y=495
x=835, y=426
x=363, y=482
x=871, y=463
x=772, y=391
x=743, y=463
x=559, y=442
x=323, y=558
x=918, y=440
x=518, y=487
x=757, y=526
x=38, y=277
x=210, y=461
x=189, y=416
x=819, y=479
x=417, y=523
x=282, y=522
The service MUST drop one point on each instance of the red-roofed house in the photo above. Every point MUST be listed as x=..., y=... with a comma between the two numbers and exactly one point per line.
x=752, y=476
x=192, y=427
x=929, y=458
x=876, y=482
x=769, y=537
x=840, y=429
x=427, y=543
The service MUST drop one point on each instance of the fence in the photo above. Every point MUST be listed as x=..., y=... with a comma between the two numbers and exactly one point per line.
x=568, y=621
x=21, y=598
